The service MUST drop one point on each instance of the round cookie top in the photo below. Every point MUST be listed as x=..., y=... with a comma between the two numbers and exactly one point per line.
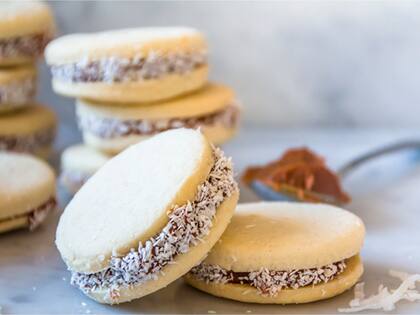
x=82, y=158
x=211, y=98
x=12, y=74
x=124, y=43
x=26, y=182
x=18, y=18
x=127, y=200
x=287, y=236
x=26, y=121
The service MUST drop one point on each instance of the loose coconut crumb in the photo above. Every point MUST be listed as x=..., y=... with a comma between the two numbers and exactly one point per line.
x=188, y=224
x=385, y=299
x=269, y=282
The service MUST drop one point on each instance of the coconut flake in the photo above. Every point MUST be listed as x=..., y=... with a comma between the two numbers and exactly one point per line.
x=138, y=68
x=385, y=299
x=269, y=282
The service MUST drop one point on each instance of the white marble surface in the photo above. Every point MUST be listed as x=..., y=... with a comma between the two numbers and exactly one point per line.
x=294, y=63
x=33, y=279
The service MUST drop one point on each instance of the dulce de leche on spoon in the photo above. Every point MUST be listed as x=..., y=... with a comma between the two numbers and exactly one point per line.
x=299, y=174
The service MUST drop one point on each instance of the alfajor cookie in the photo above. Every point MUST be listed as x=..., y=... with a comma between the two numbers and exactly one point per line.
x=31, y=129
x=129, y=65
x=27, y=191
x=17, y=87
x=78, y=163
x=111, y=129
x=147, y=216
x=25, y=29
x=283, y=253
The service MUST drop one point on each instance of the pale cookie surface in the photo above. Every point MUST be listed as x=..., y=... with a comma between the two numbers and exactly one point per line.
x=78, y=163
x=287, y=236
x=84, y=159
x=211, y=98
x=26, y=183
x=125, y=43
x=148, y=178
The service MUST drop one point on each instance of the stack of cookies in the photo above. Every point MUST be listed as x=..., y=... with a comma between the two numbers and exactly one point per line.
x=131, y=84
x=25, y=126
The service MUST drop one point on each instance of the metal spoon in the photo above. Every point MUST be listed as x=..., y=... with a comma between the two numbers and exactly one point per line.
x=289, y=193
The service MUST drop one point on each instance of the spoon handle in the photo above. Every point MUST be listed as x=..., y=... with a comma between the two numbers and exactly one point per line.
x=395, y=147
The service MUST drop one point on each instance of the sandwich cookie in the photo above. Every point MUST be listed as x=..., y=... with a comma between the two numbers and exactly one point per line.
x=147, y=216
x=17, y=87
x=31, y=130
x=27, y=191
x=25, y=29
x=78, y=163
x=283, y=253
x=129, y=65
x=111, y=129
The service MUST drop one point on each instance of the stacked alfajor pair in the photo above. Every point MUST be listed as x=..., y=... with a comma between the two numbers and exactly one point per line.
x=25, y=125
x=131, y=84
x=165, y=208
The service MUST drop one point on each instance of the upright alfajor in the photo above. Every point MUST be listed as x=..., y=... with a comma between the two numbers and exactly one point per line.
x=31, y=129
x=111, y=129
x=147, y=216
x=25, y=29
x=27, y=191
x=17, y=87
x=283, y=253
x=129, y=65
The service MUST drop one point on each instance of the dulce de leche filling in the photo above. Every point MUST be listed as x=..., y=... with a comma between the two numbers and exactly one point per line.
x=117, y=69
x=109, y=128
x=37, y=215
x=301, y=171
x=24, y=46
x=187, y=225
x=269, y=282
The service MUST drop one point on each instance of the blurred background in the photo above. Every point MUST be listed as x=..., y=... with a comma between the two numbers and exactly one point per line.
x=293, y=64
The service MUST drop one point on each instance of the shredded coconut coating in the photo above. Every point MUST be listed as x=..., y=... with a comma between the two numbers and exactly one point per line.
x=187, y=226
x=18, y=93
x=28, y=143
x=24, y=46
x=269, y=282
x=139, y=68
x=109, y=128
